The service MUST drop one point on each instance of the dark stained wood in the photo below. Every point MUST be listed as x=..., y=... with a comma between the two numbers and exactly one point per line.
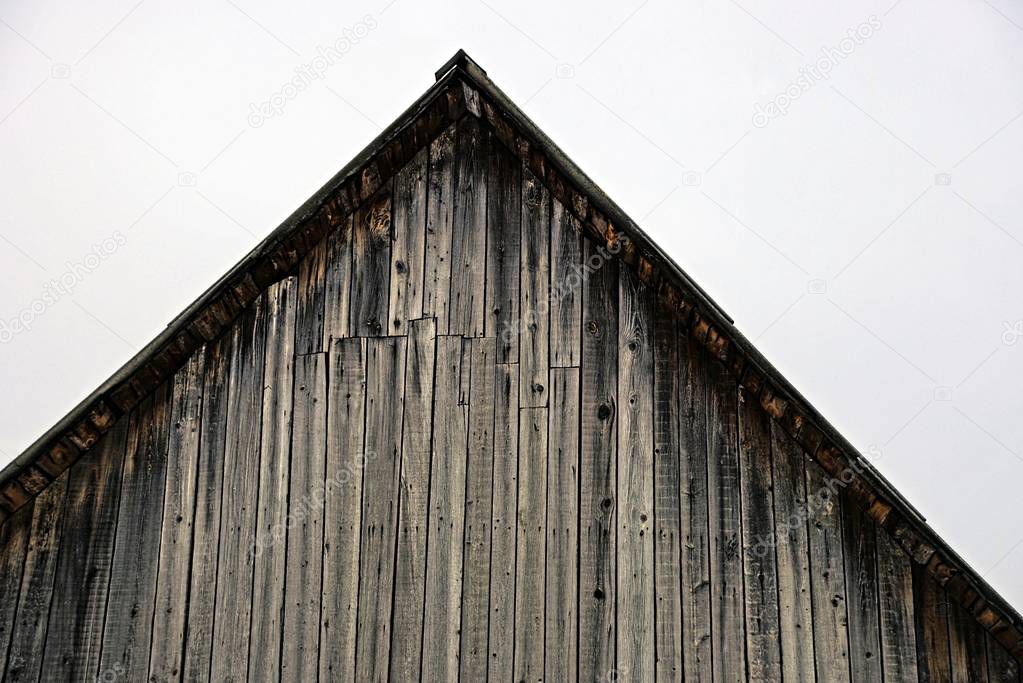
x=385, y=391
x=667, y=487
x=635, y=540
x=967, y=647
x=172, y=580
x=129, y=620
x=930, y=610
x=827, y=576
x=409, y=247
x=728, y=638
x=410, y=570
x=302, y=589
x=75, y=627
x=240, y=493
x=1002, y=668
x=566, y=273
x=504, y=189
x=694, y=400
x=503, y=536
x=479, y=485
x=531, y=524
x=859, y=543
x=469, y=232
x=14, y=541
x=895, y=595
x=440, y=206
x=337, y=283
x=206, y=527
x=346, y=415
x=270, y=550
x=28, y=636
x=791, y=549
x=534, y=284
x=309, y=329
x=763, y=646
x=447, y=513
x=371, y=266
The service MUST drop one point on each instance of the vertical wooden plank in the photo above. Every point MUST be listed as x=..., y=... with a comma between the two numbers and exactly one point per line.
x=440, y=205
x=469, y=236
x=791, y=548
x=635, y=543
x=410, y=570
x=534, y=330
x=530, y=576
x=967, y=646
x=28, y=636
x=696, y=546
x=129, y=620
x=563, y=527
x=172, y=577
x=446, y=516
x=15, y=536
x=504, y=189
x=312, y=273
x=728, y=639
x=599, y=408
x=503, y=539
x=346, y=415
x=409, y=247
x=566, y=299
x=274, y=452
x=337, y=283
x=302, y=587
x=930, y=612
x=240, y=493
x=861, y=594
x=479, y=485
x=895, y=594
x=827, y=576
x=1002, y=667
x=371, y=265
x=763, y=647
x=385, y=397
x=206, y=528
x=74, y=633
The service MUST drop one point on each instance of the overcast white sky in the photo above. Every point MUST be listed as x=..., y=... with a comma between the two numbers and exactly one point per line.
x=869, y=238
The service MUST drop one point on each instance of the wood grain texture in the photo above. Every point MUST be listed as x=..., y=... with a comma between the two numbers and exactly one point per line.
x=440, y=206
x=534, y=287
x=895, y=596
x=312, y=273
x=859, y=541
x=408, y=250
x=531, y=525
x=15, y=536
x=371, y=266
x=337, y=283
x=635, y=594
x=469, y=232
x=566, y=274
x=504, y=209
x=930, y=610
x=967, y=647
x=1002, y=667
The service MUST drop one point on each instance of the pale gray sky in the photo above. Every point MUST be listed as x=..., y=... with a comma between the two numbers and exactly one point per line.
x=868, y=237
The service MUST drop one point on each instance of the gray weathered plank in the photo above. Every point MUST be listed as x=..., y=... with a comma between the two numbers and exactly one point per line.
x=371, y=265
x=566, y=300
x=635, y=595
x=827, y=576
x=479, y=485
x=75, y=626
x=447, y=514
x=728, y=639
x=274, y=455
x=791, y=548
x=346, y=415
x=337, y=283
x=503, y=537
x=240, y=493
x=763, y=647
x=440, y=206
x=598, y=408
x=561, y=631
x=302, y=588
x=696, y=546
x=504, y=189
x=410, y=570
x=859, y=542
x=530, y=567
x=469, y=231
x=930, y=610
x=895, y=595
x=312, y=273
x=385, y=397
x=409, y=247
x=128, y=624
x=534, y=284
x=15, y=534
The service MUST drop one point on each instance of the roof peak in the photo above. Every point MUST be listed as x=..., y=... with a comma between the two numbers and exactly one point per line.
x=460, y=59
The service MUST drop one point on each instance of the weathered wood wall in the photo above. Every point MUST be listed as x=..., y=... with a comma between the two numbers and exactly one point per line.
x=463, y=441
